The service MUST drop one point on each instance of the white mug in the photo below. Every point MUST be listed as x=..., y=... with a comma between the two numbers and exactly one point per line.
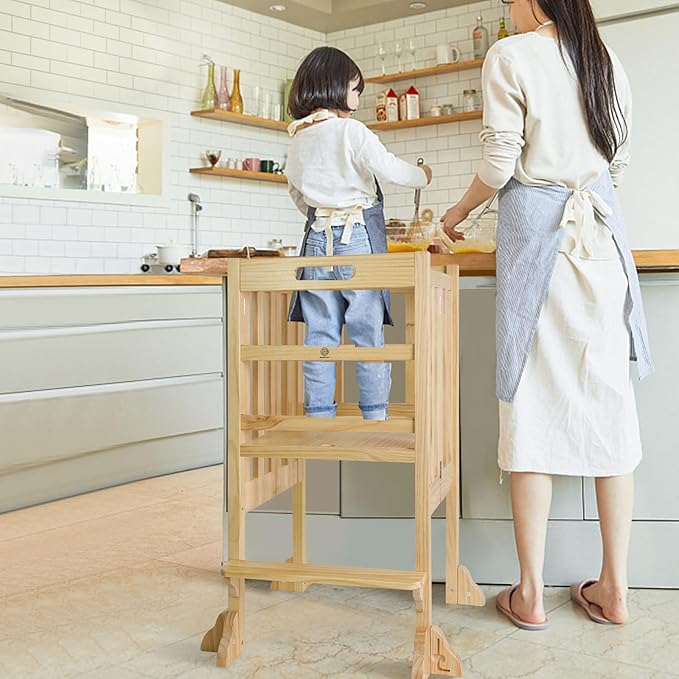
x=447, y=54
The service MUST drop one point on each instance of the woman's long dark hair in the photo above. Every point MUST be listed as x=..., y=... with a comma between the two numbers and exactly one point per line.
x=579, y=34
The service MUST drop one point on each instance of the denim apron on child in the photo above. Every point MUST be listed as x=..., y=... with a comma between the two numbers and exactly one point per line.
x=326, y=311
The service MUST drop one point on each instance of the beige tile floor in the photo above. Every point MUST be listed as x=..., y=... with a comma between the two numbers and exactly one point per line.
x=122, y=583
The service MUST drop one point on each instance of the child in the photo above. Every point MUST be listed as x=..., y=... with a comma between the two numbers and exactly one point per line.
x=333, y=168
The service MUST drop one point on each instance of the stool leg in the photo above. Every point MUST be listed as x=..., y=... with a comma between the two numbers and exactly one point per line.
x=299, y=554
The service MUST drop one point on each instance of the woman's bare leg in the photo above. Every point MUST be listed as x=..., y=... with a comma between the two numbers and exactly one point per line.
x=531, y=500
x=615, y=500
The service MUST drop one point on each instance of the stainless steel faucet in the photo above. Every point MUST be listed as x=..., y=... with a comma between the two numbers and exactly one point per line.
x=196, y=207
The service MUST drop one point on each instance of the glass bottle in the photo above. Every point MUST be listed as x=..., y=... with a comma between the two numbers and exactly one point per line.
x=209, y=99
x=223, y=99
x=503, y=32
x=480, y=36
x=236, y=98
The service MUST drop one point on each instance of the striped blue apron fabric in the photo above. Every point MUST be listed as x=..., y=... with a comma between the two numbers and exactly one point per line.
x=528, y=240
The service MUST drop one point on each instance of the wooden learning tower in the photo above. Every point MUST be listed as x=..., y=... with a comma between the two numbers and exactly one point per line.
x=269, y=439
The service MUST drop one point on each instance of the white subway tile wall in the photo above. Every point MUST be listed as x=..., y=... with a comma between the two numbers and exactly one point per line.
x=453, y=149
x=126, y=53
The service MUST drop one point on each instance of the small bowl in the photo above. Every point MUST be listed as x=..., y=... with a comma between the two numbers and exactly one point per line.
x=213, y=156
x=403, y=237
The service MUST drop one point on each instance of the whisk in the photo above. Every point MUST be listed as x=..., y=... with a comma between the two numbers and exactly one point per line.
x=415, y=227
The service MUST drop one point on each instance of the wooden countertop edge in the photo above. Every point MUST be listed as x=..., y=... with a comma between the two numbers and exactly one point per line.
x=647, y=261
x=106, y=280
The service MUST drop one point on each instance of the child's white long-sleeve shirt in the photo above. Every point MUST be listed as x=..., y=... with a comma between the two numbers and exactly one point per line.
x=333, y=164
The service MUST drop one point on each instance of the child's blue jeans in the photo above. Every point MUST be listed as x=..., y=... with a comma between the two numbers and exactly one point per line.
x=325, y=311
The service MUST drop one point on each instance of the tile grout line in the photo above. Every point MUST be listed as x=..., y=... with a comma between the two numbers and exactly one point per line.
x=598, y=657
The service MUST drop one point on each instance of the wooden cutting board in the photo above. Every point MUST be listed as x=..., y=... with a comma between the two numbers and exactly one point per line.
x=246, y=252
x=217, y=261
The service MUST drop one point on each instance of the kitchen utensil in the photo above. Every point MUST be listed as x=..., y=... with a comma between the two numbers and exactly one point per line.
x=416, y=216
x=479, y=232
x=403, y=238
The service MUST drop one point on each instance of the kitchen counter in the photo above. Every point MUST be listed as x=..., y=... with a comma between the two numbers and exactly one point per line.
x=94, y=280
x=648, y=261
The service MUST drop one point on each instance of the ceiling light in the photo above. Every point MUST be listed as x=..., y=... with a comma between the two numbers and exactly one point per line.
x=418, y=5
x=278, y=8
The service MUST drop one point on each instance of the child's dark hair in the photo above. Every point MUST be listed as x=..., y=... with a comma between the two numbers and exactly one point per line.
x=322, y=81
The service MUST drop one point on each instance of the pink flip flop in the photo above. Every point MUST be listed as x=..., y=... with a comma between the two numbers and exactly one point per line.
x=507, y=611
x=593, y=610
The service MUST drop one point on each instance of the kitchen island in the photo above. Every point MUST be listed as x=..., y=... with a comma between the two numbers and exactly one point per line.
x=115, y=378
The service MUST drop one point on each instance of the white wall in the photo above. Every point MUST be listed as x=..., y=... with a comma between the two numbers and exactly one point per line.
x=452, y=150
x=127, y=55
x=647, y=47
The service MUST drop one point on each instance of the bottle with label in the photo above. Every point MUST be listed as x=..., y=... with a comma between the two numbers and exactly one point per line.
x=503, y=32
x=480, y=36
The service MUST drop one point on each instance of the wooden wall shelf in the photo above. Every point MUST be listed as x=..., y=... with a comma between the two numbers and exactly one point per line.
x=241, y=119
x=240, y=174
x=426, y=72
x=424, y=122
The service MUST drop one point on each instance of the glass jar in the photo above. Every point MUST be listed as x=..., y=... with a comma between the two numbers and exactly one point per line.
x=469, y=101
x=435, y=111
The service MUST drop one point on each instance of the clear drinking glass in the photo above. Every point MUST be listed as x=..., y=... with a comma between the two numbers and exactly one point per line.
x=412, y=49
x=398, y=50
x=382, y=53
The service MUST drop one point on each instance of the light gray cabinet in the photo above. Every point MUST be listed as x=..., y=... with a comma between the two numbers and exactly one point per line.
x=104, y=385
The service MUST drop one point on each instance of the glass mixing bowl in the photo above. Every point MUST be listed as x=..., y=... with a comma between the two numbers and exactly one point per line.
x=402, y=237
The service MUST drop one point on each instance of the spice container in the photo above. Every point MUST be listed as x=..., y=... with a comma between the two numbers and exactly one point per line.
x=447, y=109
x=470, y=101
x=435, y=111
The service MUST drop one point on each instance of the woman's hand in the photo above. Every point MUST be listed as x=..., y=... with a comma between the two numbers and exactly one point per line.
x=454, y=216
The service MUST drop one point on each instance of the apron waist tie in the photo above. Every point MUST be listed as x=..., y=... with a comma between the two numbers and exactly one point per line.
x=580, y=209
x=327, y=217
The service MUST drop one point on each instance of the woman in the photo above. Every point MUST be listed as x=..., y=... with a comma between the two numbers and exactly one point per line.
x=569, y=313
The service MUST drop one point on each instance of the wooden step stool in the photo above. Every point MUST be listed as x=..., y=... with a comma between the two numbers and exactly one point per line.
x=269, y=439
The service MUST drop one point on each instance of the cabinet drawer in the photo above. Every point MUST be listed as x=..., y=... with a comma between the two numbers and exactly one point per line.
x=44, y=427
x=101, y=354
